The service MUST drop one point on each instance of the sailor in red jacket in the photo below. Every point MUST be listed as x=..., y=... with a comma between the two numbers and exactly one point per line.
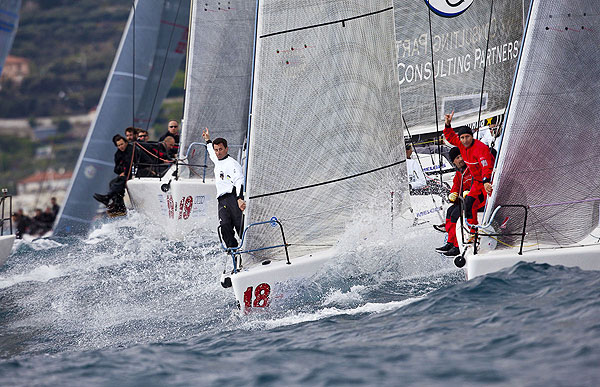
x=461, y=186
x=479, y=161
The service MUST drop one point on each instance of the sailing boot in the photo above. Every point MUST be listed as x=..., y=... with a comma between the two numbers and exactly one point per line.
x=440, y=227
x=453, y=252
x=104, y=199
x=444, y=248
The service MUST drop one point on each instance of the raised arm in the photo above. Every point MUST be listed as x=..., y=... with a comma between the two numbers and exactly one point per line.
x=209, y=147
x=449, y=133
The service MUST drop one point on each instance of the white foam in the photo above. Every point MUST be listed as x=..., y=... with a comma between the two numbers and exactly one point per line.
x=42, y=273
x=369, y=307
x=338, y=297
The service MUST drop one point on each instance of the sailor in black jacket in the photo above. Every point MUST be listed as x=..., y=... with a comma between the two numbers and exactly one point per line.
x=122, y=168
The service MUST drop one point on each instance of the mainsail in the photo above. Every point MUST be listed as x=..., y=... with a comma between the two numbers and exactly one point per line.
x=9, y=20
x=132, y=95
x=326, y=135
x=219, y=75
x=459, y=57
x=549, y=156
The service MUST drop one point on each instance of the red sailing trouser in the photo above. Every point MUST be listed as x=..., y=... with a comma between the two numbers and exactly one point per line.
x=453, y=213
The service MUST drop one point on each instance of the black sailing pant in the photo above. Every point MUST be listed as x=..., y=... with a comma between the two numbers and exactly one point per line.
x=230, y=217
x=116, y=187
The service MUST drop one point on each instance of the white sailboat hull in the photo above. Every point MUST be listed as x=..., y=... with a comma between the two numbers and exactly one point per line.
x=256, y=286
x=188, y=206
x=585, y=255
x=6, y=244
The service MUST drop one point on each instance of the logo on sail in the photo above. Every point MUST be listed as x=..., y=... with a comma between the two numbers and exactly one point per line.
x=449, y=8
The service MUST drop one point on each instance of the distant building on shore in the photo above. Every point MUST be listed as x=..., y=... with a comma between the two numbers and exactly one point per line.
x=15, y=69
x=48, y=181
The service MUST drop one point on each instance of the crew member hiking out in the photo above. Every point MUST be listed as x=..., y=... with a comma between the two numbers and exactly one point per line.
x=461, y=185
x=479, y=162
x=229, y=181
x=114, y=198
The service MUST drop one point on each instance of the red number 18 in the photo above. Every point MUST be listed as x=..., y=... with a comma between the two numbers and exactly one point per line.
x=261, y=296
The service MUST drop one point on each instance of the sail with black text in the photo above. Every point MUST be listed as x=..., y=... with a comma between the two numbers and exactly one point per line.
x=475, y=50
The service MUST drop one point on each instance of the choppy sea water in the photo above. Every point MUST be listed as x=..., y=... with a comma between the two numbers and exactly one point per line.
x=126, y=306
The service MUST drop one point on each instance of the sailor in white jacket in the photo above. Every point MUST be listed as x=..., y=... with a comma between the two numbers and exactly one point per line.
x=229, y=180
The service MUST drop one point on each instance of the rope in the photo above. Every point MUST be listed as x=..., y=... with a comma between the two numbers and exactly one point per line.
x=487, y=45
x=503, y=243
x=153, y=155
x=133, y=70
x=163, y=67
x=437, y=128
x=421, y=165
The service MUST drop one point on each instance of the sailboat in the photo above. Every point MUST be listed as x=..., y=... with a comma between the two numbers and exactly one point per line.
x=7, y=236
x=545, y=203
x=453, y=56
x=218, y=78
x=324, y=142
x=9, y=20
x=150, y=52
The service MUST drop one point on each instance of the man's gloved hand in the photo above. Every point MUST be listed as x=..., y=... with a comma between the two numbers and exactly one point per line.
x=465, y=194
x=453, y=196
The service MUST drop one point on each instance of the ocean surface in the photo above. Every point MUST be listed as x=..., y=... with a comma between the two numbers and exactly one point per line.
x=125, y=306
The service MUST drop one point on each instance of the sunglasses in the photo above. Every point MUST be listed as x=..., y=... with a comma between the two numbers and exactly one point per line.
x=173, y=126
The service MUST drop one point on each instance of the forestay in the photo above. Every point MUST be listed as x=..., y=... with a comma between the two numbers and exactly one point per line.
x=9, y=20
x=550, y=149
x=133, y=81
x=326, y=136
x=459, y=57
x=219, y=74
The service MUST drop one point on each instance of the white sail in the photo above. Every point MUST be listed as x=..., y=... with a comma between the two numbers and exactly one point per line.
x=326, y=135
x=219, y=74
x=9, y=20
x=549, y=156
x=459, y=57
x=132, y=96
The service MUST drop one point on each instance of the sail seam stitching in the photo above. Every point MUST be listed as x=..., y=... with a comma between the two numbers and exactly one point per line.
x=343, y=21
x=327, y=182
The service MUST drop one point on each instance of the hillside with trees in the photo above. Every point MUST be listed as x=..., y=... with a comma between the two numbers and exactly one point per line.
x=70, y=46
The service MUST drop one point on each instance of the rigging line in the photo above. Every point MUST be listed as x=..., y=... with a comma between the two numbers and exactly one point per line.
x=133, y=69
x=327, y=182
x=437, y=125
x=421, y=165
x=163, y=65
x=487, y=45
x=343, y=21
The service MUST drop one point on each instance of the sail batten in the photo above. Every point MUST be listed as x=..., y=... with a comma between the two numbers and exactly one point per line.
x=549, y=153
